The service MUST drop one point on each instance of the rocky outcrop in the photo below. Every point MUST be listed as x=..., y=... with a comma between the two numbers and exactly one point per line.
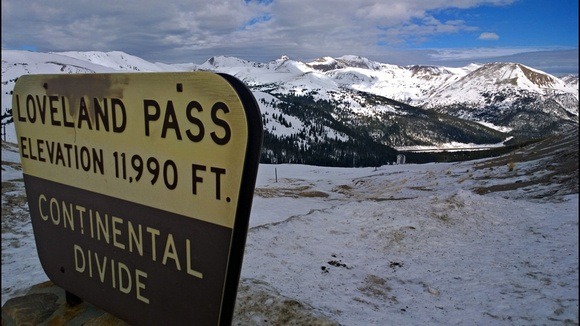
x=45, y=304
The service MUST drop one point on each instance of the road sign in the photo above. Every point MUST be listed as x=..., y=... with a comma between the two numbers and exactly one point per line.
x=140, y=188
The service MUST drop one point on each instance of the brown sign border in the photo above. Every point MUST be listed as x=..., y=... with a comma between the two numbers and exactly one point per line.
x=249, y=176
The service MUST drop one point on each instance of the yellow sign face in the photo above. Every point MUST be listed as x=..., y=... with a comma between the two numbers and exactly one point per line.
x=170, y=141
x=140, y=188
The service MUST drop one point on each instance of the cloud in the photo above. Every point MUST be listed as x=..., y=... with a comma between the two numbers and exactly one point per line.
x=193, y=30
x=479, y=53
x=488, y=36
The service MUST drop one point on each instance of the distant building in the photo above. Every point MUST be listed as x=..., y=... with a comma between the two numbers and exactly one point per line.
x=401, y=159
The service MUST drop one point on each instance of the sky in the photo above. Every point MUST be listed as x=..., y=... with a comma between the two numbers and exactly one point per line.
x=541, y=34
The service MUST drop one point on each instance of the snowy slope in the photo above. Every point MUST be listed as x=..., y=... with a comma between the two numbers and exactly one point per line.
x=283, y=74
x=17, y=63
x=469, y=243
x=117, y=60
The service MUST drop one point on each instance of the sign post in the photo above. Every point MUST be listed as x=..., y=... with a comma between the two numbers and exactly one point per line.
x=140, y=188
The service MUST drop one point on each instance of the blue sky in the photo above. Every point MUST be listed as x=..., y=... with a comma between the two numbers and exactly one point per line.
x=525, y=23
x=541, y=34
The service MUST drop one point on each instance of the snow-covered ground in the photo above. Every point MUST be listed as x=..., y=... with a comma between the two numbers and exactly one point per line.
x=396, y=244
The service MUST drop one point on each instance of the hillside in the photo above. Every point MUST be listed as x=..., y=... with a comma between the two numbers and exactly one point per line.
x=492, y=241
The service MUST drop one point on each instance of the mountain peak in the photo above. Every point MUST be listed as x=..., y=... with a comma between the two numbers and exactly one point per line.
x=325, y=64
x=510, y=74
x=346, y=61
x=356, y=61
x=427, y=70
x=538, y=77
x=225, y=61
x=117, y=60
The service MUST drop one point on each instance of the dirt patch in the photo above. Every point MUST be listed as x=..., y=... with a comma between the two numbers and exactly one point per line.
x=548, y=168
x=259, y=304
x=313, y=194
x=14, y=204
x=377, y=287
x=297, y=192
x=344, y=190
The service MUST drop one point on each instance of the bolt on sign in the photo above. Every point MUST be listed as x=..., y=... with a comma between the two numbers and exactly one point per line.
x=140, y=188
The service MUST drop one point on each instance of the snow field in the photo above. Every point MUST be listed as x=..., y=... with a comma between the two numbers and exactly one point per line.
x=397, y=244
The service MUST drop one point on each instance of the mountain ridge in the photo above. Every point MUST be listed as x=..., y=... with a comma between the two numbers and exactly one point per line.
x=336, y=107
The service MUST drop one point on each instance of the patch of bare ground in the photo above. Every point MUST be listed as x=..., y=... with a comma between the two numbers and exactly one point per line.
x=545, y=169
x=260, y=304
x=296, y=192
x=14, y=204
x=257, y=303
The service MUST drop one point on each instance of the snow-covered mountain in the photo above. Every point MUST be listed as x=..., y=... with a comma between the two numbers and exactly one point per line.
x=511, y=95
x=504, y=96
x=411, y=84
x=339, y=107
x=118, y=60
